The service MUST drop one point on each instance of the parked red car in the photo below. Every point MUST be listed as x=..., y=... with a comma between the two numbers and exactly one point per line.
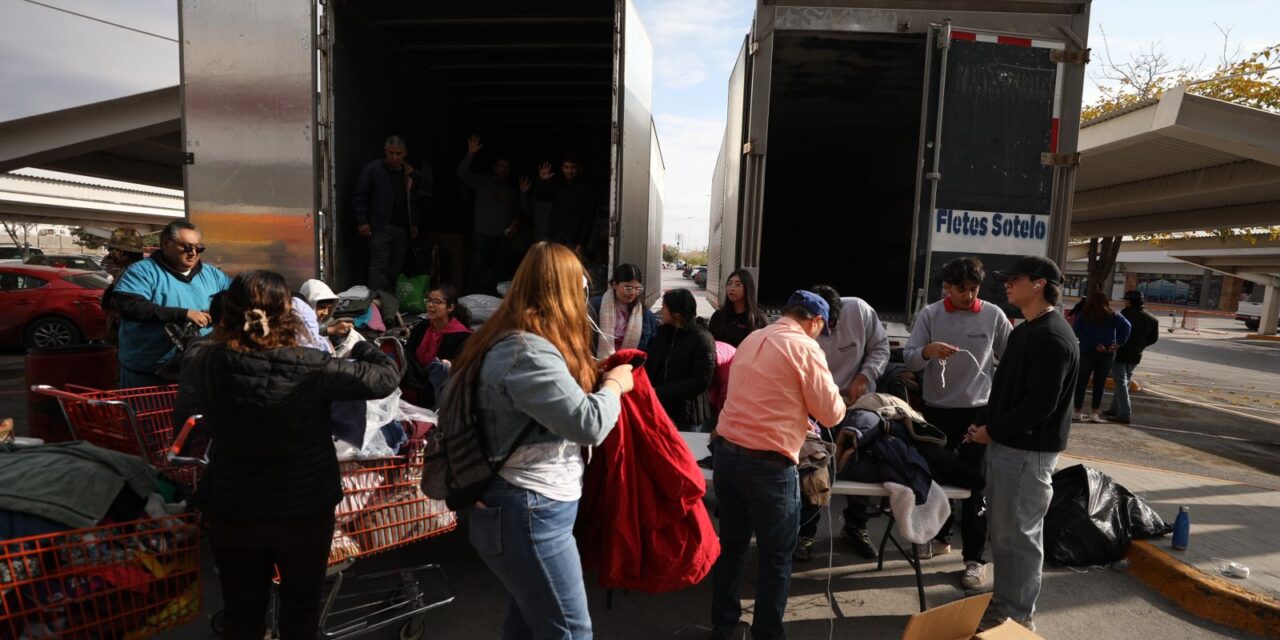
x=50, y=307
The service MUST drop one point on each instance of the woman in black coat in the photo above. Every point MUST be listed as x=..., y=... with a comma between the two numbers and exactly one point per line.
x=682, y=361
x=272, y=483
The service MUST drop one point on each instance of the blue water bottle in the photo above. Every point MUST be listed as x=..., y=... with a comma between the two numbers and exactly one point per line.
x=1182, y=529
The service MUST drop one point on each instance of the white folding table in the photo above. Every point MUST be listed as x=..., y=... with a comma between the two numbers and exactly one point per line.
x=697, y=443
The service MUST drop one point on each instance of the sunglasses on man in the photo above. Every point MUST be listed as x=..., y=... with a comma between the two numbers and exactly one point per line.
x=189, y=248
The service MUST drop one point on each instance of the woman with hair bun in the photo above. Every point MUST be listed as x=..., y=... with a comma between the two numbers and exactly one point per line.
x=272, y=483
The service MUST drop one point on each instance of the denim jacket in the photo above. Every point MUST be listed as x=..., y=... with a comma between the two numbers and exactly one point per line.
x=524, y=377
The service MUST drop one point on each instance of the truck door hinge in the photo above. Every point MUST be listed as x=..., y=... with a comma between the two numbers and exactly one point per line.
x=1060, y=159
x=933, y=175
x=1074, y=56
x=944, y=35
x=747, y=146
x=188, y=158
x=755, y=46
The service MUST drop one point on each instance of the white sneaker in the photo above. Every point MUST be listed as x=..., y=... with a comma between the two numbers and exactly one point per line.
x=1084, y=417
x=940, y=547
x=975, y=576
x=1096, y=417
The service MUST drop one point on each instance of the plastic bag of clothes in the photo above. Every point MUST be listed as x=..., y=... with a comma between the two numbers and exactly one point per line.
x=480, y=306
x=1091, y=519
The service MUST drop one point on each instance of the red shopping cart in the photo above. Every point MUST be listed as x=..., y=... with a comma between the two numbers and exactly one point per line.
x=127, y=580
x=383, y=508
x=135, y=421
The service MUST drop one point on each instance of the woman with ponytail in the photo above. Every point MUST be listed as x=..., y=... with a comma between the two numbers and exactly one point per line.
x=272, y=482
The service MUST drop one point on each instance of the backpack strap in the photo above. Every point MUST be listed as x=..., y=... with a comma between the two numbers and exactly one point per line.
x=528, y=429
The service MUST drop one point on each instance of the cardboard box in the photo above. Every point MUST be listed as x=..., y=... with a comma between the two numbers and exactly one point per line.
x=959, y=621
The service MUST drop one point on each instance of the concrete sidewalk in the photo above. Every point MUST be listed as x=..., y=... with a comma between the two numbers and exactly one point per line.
x=1230, y=521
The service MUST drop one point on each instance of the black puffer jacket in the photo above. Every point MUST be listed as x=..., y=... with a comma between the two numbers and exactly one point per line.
x=268, y=413
x=681, y=364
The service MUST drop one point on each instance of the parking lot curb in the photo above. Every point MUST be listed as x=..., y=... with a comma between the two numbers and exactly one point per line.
x=1259, y=336
x=1207, y=596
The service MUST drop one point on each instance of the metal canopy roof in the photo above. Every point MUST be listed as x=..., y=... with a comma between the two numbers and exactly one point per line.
x=1178, y=163
x=1256, y=260
x=37, y=195
x=135, y=138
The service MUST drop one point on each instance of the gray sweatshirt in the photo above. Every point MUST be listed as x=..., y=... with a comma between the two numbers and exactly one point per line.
x=498, y=202
x=858, y=344
x=984, y=334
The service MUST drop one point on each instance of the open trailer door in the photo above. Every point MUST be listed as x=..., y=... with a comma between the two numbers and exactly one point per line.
x=630, y=234
x=987, y=189
x=248, y=123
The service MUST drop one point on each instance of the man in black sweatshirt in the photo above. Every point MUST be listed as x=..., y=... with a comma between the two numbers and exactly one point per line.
x=1025, y=428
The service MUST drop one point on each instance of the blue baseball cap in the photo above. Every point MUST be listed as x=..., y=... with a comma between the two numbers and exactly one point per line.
x=815, y=304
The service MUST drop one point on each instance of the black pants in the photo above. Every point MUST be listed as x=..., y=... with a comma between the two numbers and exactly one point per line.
x=1096, y=365
x=973, y=510
x=247, y=553
x=488, y=256
x=387, y=250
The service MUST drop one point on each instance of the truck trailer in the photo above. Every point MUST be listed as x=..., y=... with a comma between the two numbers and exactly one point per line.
x=285, y=100
x=868, y=142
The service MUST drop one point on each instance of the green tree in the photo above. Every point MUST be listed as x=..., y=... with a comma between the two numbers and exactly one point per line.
x=670, y=253
x=697, y=257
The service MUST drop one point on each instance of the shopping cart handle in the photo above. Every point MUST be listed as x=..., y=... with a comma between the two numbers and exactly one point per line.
x=173, y=455
x=57, y=393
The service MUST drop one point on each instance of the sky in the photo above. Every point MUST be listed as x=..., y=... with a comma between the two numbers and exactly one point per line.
x=51, y=60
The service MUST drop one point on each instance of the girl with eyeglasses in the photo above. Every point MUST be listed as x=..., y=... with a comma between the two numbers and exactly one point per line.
x=620, y=316
x=436, y=341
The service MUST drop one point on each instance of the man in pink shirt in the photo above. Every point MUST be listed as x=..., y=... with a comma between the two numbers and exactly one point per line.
x=779, y=378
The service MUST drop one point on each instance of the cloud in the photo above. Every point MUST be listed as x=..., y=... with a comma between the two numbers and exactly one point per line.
x=690, y=38
x=690, y=145
x=56, y=60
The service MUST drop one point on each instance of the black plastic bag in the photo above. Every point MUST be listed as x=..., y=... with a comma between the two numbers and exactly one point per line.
x=1091, y=519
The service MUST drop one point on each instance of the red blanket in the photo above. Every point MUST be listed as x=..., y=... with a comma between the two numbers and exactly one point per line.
x=641, y=522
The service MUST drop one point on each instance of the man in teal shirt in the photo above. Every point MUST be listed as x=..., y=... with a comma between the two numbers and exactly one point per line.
x=171, y=286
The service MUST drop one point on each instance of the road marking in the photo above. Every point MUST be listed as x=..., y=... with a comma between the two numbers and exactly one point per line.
x=1213, y=408
x=1206, y=435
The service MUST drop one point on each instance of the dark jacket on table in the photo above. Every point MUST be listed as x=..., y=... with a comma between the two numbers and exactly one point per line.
x=375, y=195
x=732, y=328
x=268, y=413
x=681, y=363
x=1032, y=390
x=1146, y=330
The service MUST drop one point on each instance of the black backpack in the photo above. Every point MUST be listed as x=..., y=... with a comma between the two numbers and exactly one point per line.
x=455, y=465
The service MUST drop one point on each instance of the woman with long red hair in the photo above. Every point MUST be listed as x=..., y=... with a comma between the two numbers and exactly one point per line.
x=530, y=371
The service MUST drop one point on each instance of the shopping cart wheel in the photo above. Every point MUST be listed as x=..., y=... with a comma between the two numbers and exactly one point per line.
x=413, y=629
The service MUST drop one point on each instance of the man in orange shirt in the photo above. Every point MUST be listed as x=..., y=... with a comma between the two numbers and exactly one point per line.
x=779, y=378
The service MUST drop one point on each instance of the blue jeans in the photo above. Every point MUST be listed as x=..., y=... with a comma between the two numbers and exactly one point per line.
x=1096, y=365
x=760, y=495
x=1122, y=373
x=130, y=379
x=1019, y=487
x=527, y=541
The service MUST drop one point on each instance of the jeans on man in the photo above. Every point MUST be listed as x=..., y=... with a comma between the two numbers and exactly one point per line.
x=387, y=249
x=526, y=539
x=1096, y=365
x=757, y=495
x=1122, y=373
x=1019, y=487
x=488, y=256
x=130, y=379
